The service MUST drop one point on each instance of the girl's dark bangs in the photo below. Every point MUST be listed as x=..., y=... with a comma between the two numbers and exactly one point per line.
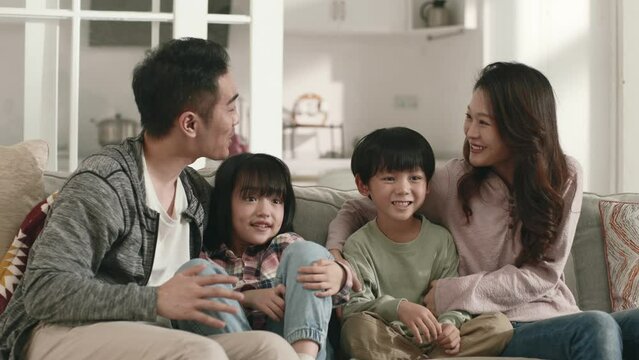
x=259, y=177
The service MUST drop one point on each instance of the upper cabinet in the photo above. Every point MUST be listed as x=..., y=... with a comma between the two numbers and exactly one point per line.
x=376, y=16
x=326, y=16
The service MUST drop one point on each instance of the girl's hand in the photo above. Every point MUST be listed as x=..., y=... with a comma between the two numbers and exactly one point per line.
x=269, y=301
x=420, y=321
x=325, y=275
x=429, y=298
x=449, y=340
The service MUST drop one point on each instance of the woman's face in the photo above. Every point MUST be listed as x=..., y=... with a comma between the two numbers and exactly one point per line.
x=487, y=149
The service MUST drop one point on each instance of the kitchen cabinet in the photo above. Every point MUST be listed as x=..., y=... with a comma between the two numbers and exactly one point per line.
x=335, y=16
x=373, y=16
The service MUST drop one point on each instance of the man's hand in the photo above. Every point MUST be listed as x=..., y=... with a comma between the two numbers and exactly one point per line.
x=420, y=321
x=449, y=340
x=324, y=275
x=186, y=296
x=269, y=301
x=429, y=298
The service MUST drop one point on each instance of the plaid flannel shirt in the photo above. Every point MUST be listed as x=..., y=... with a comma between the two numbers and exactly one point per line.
x=257, y=269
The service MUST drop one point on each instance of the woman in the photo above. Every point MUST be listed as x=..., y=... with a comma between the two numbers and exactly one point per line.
x=512, y=205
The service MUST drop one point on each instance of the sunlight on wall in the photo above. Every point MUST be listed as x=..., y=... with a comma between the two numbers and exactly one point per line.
x=568, y=41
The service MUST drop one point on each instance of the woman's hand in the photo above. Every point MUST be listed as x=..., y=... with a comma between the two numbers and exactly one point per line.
x=357, y=285
x=420, y=321
x=429, y=298
x=269, y=301
x=324, y=275
x=449, y=340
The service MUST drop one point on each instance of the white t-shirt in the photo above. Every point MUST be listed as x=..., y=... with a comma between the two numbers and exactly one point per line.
x=172, y=247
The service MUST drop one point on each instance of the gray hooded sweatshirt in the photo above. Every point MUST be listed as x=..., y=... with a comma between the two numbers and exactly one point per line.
x=95, y=254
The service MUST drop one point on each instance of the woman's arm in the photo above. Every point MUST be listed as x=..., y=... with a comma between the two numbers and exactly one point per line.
x=353, y=215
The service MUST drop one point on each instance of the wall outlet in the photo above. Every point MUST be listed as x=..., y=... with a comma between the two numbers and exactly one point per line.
x=405, y=102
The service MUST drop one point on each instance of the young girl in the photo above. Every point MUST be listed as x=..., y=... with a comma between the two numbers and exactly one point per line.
x=286, y=281
x=512, y=205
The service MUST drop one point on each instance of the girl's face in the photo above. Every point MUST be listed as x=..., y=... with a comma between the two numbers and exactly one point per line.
x=256, y=219
x=487, y=149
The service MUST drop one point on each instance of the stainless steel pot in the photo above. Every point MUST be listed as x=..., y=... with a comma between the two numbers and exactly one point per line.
x=115, y=130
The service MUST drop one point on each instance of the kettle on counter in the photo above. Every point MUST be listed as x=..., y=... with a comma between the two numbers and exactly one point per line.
x=434, y=13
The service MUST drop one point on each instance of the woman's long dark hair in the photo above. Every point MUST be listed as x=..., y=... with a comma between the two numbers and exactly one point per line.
x=523, y=106
x=258, y=174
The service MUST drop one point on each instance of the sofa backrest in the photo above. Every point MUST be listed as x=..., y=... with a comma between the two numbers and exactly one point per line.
x=585, y=272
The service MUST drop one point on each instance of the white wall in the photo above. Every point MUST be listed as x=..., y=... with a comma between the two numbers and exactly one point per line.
x=12, y=89
x=360, y=75
x=629, y=129
x=572, y=43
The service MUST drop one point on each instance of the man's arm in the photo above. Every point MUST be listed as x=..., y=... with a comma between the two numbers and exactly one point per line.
x=60, y=284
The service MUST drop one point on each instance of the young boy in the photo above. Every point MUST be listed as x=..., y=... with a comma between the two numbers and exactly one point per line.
x=398, y=254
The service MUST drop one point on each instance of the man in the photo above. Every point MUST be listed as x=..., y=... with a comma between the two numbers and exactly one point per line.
x=100, y=280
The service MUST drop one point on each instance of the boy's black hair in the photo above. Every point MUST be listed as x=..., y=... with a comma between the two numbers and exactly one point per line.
x=180, y=75
x=258, y=174
x=392, y=149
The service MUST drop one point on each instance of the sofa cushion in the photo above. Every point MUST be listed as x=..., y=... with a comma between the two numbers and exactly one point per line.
x=591, y=287
x=21, y=168
x=14, y=263
x=621, y=239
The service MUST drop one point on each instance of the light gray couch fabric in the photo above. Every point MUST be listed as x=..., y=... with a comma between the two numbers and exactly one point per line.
x=585, y=272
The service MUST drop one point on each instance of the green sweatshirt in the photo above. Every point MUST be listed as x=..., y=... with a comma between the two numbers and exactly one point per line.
x=391, y=272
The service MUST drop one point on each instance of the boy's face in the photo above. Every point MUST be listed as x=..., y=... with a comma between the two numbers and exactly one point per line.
x=256, y=219
x=397, y=194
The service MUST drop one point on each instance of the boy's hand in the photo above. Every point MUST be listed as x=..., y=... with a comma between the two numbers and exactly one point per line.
x=449, y=340
x=269, y=301
x=325, y=275
x=187, y=295
x=420, y=321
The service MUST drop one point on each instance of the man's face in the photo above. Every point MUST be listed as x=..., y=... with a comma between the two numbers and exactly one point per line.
x=219, y=128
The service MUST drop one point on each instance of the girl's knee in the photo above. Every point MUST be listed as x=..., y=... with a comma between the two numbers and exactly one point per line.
x=210, y=268
x=306, y=252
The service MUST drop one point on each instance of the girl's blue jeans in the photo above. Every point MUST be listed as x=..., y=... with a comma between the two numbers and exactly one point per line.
x=306, y=316
x=585, y=335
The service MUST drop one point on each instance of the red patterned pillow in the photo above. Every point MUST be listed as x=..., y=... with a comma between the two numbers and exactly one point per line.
x=620, y=222
x=14, y=263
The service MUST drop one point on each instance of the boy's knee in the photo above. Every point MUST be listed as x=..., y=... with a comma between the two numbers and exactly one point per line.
x=495, y=323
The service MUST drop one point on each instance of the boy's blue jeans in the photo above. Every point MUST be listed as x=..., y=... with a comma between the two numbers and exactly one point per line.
x=306, y=316
x=585, y=335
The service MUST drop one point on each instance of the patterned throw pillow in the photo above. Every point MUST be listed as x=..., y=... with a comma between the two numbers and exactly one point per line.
x=620, y=222
x=14, y=263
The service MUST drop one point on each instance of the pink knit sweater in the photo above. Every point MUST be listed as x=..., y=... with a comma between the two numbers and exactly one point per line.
x=488, y=247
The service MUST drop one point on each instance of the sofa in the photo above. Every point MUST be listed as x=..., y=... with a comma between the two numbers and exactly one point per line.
x=586, y=271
